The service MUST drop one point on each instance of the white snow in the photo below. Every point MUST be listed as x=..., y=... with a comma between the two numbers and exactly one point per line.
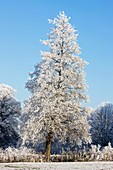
x=58, y=166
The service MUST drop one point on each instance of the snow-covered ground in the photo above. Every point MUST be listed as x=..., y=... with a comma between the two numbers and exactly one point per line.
x=58, y=166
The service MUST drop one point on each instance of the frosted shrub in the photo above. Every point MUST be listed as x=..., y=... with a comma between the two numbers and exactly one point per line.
x=22, y=154
x=108, y=152
x=2, y=155
x=95, y=153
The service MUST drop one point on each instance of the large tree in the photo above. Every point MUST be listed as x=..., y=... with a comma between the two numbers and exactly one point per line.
x=58, y=88
x=101, y=121
x=10, y=111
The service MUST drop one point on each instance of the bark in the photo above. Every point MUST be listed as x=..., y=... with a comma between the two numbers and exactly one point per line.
x=48, y=146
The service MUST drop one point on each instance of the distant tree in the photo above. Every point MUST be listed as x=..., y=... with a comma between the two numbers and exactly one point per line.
x=58, y=86
x=10, y=111
x=101, y=122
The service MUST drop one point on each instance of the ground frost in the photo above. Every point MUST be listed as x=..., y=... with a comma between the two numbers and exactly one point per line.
x=58, y=166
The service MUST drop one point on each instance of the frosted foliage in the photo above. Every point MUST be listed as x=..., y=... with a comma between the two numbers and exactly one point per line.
x=9, y=116
x=31, y=84
x=59, y=88
x=101, y=122
x=6, y=91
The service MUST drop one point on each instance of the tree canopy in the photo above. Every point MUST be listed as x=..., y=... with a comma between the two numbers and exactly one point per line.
x=10, y=111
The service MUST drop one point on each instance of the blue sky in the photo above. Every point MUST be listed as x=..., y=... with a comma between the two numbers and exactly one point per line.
x=24, y=22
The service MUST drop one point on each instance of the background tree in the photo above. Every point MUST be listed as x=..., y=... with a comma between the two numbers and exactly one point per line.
x=58, y=86
x=10, y=111
x=101, y=122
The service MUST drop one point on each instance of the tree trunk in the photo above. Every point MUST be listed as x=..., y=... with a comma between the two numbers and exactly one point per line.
x=48, y=146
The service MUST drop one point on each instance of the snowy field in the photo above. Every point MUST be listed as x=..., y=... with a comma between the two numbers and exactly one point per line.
x=58, y=166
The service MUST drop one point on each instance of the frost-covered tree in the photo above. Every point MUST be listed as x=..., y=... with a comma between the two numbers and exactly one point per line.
x=9, y=117
x=58, y=89
x=101, y=122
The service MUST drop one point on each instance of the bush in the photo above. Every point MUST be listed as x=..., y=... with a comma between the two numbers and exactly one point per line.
x=23, y=154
